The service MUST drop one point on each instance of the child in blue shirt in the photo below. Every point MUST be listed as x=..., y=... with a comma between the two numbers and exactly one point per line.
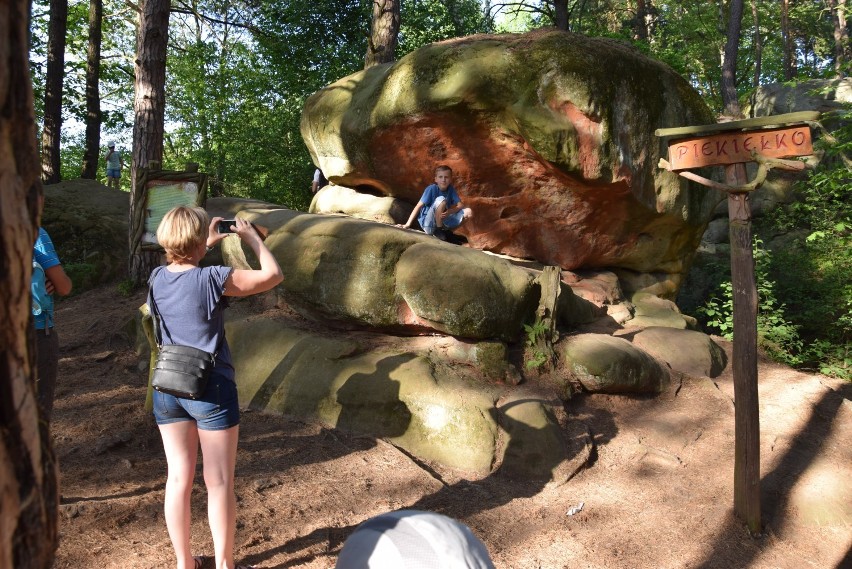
x=56, y=281
x=440, y=208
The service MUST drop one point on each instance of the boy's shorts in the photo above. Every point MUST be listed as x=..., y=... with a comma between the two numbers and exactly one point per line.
x=450, y=222
x=218, y=409
x=113, y=173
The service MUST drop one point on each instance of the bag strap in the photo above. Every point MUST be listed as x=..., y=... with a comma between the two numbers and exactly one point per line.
x=152, y=305
x=158, y=318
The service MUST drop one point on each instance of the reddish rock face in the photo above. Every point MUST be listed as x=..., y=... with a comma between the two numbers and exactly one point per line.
x=523, y=205
x=550, y=138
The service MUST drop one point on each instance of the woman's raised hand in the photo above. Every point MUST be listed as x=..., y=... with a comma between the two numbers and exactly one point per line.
x=213, y=235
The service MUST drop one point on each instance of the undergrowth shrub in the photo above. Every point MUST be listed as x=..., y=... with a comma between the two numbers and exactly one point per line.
x=805, y=285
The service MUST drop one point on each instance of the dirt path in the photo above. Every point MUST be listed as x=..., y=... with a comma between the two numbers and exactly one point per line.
x=658, y=494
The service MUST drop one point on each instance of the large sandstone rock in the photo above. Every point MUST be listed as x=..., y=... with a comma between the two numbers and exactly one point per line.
x=409, y=391
x=87, y=223
x=340, y=199
x=686, y=351
x=605, y=364
x=550, y=136
x=378, y=276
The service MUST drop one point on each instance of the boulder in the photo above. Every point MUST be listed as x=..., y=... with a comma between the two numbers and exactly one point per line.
x=686, y=351
x=650, y=310
x=410, y=391
x=551, y=139
x=605, y=364
x=340, y=199
x=87, y=223
x=369, y=274
x=823, y=95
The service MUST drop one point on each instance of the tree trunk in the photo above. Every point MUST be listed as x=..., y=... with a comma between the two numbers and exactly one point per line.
x=841, y=35
x=640, y=32
x=93, y=96
x=730, y=100
x=758, y=44
x=789, y=47
x=149, y=108
x=384, y=32
x=50, y=136
x=561, y=14
x=28, y=481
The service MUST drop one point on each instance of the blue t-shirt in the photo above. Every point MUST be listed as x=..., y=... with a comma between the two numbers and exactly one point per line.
x=428, y=198
x=45, y=255
x=191, y=307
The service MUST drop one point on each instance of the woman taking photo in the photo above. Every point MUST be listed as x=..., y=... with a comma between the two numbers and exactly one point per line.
x=190, y=303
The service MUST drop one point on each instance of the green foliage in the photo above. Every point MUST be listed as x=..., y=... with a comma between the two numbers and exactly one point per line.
x=814, y=270
x=126, y=288
x=535, y=332
x=778, y=337
x=426, y=22
x=83, y=275
x=690, y=36
x=805, y=284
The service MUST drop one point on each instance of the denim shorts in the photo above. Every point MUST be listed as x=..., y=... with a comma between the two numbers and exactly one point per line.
x=450, y=222
x=113, y=173
x=218, y=409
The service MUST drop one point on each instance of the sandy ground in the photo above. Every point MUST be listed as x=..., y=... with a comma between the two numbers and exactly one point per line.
x=658, y=493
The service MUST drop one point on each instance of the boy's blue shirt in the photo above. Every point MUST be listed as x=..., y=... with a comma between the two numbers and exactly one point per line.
x=429, y=195
x=45, y=255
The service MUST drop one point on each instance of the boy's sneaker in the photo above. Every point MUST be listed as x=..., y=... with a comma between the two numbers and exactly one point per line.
x=440, y=233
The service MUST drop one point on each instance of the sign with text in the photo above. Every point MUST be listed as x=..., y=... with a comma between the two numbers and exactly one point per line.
x=734, y=147
x=163, y=195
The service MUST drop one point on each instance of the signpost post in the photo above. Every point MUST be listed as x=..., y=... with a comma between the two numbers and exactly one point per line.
x=733, y=144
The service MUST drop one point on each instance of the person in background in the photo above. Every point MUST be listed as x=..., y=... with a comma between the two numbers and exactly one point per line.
x=319, y=182
x=440, y=209
x=55, y=281
x=191, y=301
x=412, y=538
x=114, y=164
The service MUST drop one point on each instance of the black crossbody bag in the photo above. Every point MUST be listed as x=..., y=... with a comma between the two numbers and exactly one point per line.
x=181, y=371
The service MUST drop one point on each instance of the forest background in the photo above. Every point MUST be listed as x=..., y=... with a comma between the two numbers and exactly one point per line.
x=239, y=71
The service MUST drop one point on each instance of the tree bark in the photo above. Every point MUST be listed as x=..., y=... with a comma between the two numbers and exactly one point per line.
x=561, y=14
x=50, y=136
x=640, y=32
x=28, y=481
x=841, y=35
x=149, y=108
x=730, y=101
x=789, y=46
x=384, y=33
x=758, y=44
x=93, y=96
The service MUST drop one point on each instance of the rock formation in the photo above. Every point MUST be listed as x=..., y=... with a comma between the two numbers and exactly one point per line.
x=352, y=358
x=550, y=136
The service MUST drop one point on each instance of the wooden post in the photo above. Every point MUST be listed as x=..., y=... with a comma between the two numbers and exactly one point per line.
x=732, y=144
x=746, y=410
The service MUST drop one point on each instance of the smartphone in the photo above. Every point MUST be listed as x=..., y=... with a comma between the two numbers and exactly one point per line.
x=225, y=226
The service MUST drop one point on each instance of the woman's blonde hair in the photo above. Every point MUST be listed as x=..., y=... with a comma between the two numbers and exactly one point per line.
x=181, y=232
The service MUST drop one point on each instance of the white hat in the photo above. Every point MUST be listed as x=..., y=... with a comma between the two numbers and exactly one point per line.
x=110, y=144
x=410, y=538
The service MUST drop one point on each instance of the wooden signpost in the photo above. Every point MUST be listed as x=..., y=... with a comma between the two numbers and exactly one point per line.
x=764, y=140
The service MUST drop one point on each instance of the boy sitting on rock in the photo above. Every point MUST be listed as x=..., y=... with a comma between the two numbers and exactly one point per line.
x=440, y=209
